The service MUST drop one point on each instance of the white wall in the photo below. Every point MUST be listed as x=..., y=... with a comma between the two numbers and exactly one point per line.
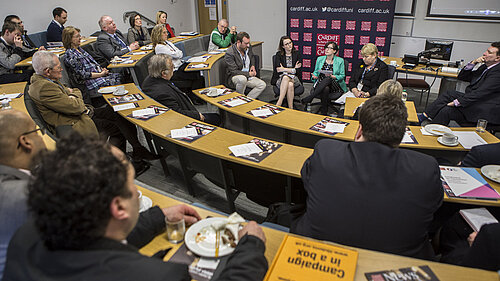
x=265, y=20
x=37, y=15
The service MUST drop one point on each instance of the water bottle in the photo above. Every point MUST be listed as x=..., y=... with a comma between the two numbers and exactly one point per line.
x=6, y=104
x=404, y=96
x=462, y=65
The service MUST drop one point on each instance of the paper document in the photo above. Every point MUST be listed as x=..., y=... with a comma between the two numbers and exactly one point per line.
x=183, y=133
x=478, y=217
x=244, y=149
x=124, y=106
x=208, y=263
x=199, y=59
x=335, y=127
x=139, y=53
x=201, y=65
x=10, y=96
x=467, y=182
x=143, y=112
x=342, y=98
x=261, y=112
x=236, y=102
x=469, y=139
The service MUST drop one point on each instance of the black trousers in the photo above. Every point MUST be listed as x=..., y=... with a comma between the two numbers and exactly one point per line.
x=190, y=80
x=324, y=91
x=14, y=77
x=212, y=118
x=441, y=113
x=111, y=125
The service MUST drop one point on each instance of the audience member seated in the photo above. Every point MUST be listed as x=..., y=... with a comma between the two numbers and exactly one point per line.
x=221, y=36
x=20, y=142
x=287, y=72
x=369, y=74
x=163, y=46
x=137, y=32
x=59, y=105
x=56, y=26
x=12, y=51
x=161, y=18
x=461, y=245
x=110, y=41
x=82, y=66
x=388, y=87
x=481, y=99
x=84, y=240
x=240, y=70
x=354, y=195
x=158, y=86
x=24, y=34
x=482, y=155
x=328, y=77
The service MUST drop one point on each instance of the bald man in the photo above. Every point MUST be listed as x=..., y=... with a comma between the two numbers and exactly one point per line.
x=20, y=142
x=221, y=36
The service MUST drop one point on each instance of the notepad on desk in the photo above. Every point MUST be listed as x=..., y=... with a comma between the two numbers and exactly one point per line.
x=477, y=217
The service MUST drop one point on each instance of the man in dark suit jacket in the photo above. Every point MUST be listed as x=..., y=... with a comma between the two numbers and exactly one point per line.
x=27, y=42
x=369, y=193
x=481, y=99
x=481, y=155
x=240, y=69
x=56, y=26
x=110, y=41
x=159, y=87
x=20, y=142
x=84, y=240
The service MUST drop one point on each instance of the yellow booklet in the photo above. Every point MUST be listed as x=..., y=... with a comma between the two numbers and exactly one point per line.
x=301, y=259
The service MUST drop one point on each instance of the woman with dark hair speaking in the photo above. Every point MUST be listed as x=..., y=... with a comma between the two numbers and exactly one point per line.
x=286, y=70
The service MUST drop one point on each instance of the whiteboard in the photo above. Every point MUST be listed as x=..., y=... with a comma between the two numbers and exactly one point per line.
x=479, y=9
x=405, y=7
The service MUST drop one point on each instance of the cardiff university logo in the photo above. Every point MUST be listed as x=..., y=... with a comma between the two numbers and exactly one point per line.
x=350, y=25
x=308, y=37
x=306, y=63
x=380, y=41
x=306, y=50
x=381, y=26
x=294, y=36
x=294, y=22
x=348, y=53
x=306, y=75
x=336, y=24
x=366, y=25
x=349, y=39
x=364, y=40
x=308, y=23
x=322, y=24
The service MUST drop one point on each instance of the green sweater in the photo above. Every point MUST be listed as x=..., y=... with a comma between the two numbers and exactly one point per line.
x=219, y=40
x=338, y=69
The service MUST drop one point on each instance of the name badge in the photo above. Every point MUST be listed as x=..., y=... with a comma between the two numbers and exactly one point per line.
x=360, y=86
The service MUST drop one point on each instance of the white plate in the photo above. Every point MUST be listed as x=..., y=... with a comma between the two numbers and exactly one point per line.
x=437, y=129
x=440, y=140
x=206, y=247
x=122, y=94
x=145, y=203
x=492, y=172
x=107, y=90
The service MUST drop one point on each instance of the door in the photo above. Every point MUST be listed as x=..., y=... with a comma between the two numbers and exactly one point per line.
x=218, y=8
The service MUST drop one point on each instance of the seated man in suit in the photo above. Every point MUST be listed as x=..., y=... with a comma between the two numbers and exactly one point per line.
x=20, y=142
x=84, y=240
x=481, y=155
x=110, y=41
x=481, y=99
x=221, y=36
x=60, y=105
x=158, y=86
x=24, y=34
x=240, y=70
x=56, y=26
x=12, y=51
x=369, y=193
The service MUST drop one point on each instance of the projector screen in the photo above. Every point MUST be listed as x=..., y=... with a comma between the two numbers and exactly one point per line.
x=476, y=9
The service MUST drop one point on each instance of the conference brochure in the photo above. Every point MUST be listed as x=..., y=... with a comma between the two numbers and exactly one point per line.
x=125, y=99
x=330, y=126
x=200, y=269
x=301, y=259
x=148, y=112
x=408, y=137
x=265, y=111
x=199, y=130
x=466, y=183
x=414, y=273
x=255, y=150
x=216, y=92
x=233, y=102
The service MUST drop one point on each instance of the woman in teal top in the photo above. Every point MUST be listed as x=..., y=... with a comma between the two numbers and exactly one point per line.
x=328, y=77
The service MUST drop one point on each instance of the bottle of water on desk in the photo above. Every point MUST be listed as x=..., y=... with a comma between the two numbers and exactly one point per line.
x=404, y=96
x=6, y=104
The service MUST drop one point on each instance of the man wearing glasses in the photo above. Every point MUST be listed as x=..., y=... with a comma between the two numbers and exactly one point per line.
x=20, y=142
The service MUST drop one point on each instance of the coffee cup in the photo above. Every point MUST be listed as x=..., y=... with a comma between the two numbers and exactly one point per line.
x=449, y=138
x=394, y=63
x=120, y=90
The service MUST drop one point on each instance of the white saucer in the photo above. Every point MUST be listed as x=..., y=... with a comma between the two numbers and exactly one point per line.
x=492, y=172
x=107, y=90
x=440, y=140
x=145, y=203
x=124, y=93
x=437, y=130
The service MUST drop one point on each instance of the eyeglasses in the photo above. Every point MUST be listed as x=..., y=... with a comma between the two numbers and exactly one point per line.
x=42, y=131
x=288, y=43
x=331, y=48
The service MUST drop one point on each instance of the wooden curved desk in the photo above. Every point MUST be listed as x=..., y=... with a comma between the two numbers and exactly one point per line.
x=292, y=126
x=368, y=261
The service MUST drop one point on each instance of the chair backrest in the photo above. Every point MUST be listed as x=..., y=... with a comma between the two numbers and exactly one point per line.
x=193, y=47
x=141, y=68
x=65, y=79
x=205, y=39
x=39, y=38
x=391, y=70
x=35, y=113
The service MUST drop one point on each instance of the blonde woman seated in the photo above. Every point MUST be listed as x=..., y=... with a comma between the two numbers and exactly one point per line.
x=161, y=18
x=388, y=87
x=159, y=36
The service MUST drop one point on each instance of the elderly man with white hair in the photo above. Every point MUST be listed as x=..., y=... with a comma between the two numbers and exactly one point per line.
x=60, y=105
x=110, y=41
x=222, y=36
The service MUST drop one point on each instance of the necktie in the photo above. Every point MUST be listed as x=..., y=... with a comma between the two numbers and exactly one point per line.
x=122, y=44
